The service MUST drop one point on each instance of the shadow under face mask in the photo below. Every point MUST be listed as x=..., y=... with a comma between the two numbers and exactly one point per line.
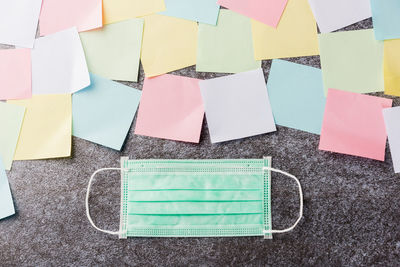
x=195, y=198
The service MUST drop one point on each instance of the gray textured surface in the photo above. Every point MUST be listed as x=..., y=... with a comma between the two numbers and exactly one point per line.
x=351, y=214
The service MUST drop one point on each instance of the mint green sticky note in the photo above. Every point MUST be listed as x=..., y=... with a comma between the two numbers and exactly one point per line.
x=103, y=112
x=297, y=96
x=227, y=47
x=6, y=202
x=204, y=11
x=11, y=118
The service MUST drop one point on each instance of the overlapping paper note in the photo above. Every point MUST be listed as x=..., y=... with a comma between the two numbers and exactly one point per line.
x=227, y=47
x=113, y=52
x=171, y=108
x=392, y=118
x=103, y=112
x=297, y=96
x=295, y=36
x=237, y=106
x=354, y=125
x=15, y=74
x=391, y=67
x=6, y=201
x=386, y=19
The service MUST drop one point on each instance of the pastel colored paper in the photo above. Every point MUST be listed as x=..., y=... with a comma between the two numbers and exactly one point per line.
x=119, y=10
x=18, y=22
x=353, y=125
x=332, y=15
x=392, y=118
x=171, y=108
x=386, y=19
x=352, y=61
x=168, y=44
x=295, y=36
x=58, y=64
x=204, y=11
x=15, y=74
x=58, y=15
x=297, y=95
x=6, y=201
x=227, y=47
x=237, y=106
x=265, y=11
x=391, y=67
x=113, y=52
x=46, y=130
x=103, y=112
x=11, y=117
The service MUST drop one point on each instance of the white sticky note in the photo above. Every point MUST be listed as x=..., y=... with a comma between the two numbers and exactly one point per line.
x=237, y=106
x=18, y=22
x=6, y=202
x=59, y=64
x=332, y=15
x=392, y=118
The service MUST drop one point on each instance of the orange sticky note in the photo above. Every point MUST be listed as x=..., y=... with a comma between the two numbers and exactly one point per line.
x=15, y=74
x=354, y=125
x=266, y=11
x=171, y=107
x=58, y=15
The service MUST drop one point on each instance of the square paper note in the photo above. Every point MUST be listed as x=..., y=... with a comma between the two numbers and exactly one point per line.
x=11, y=117
x=386, y=19
x=227, y=47
x=353, y=125
x=58, y=15
x=168, y=44
x=18, y=22
x=391, y=67
x=297, y=95
x=237, y=106
x=332, y=15
x=352, y=61
x=295, y=36
x=15, y=74
x=114, y=51
x=103, y=112
x=265, y=11
x=171, y=108
x=204, y=11
x=58, y=64
x=46, y=130
x=392, y=118
x=6, y=201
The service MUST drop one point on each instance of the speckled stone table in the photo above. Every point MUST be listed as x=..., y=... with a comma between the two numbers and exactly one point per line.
x=351, y=214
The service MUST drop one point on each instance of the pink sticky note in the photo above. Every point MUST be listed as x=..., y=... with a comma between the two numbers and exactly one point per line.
x=266, y=11
x=354, y=125
x=58, y=15
x=15, y=74
x=171, y=107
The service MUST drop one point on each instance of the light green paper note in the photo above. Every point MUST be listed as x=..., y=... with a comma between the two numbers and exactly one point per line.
x=11, y=117
x=352, y=61
x=227, y=47
x=114, y=50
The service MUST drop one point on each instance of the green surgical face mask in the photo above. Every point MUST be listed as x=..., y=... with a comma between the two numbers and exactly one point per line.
x=195, y=198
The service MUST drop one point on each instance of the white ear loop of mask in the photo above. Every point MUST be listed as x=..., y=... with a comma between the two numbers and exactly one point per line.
x=300, y=198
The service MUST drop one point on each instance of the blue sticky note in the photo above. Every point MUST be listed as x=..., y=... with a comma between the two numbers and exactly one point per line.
x=297, y=96
x=6, y=202
x=103, y=112
x=205, y=11
x=386, y=19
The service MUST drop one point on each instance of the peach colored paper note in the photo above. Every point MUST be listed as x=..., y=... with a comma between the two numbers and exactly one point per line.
x=171, y=107
x=354, y=125
x=266, y=11
x=15, y=74
x=58, y=15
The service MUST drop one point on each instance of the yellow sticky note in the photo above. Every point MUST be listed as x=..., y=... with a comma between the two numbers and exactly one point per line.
x=168, y=44
x=118, y=10
x=295, y=36
x=391, y=67
x=47, y=126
